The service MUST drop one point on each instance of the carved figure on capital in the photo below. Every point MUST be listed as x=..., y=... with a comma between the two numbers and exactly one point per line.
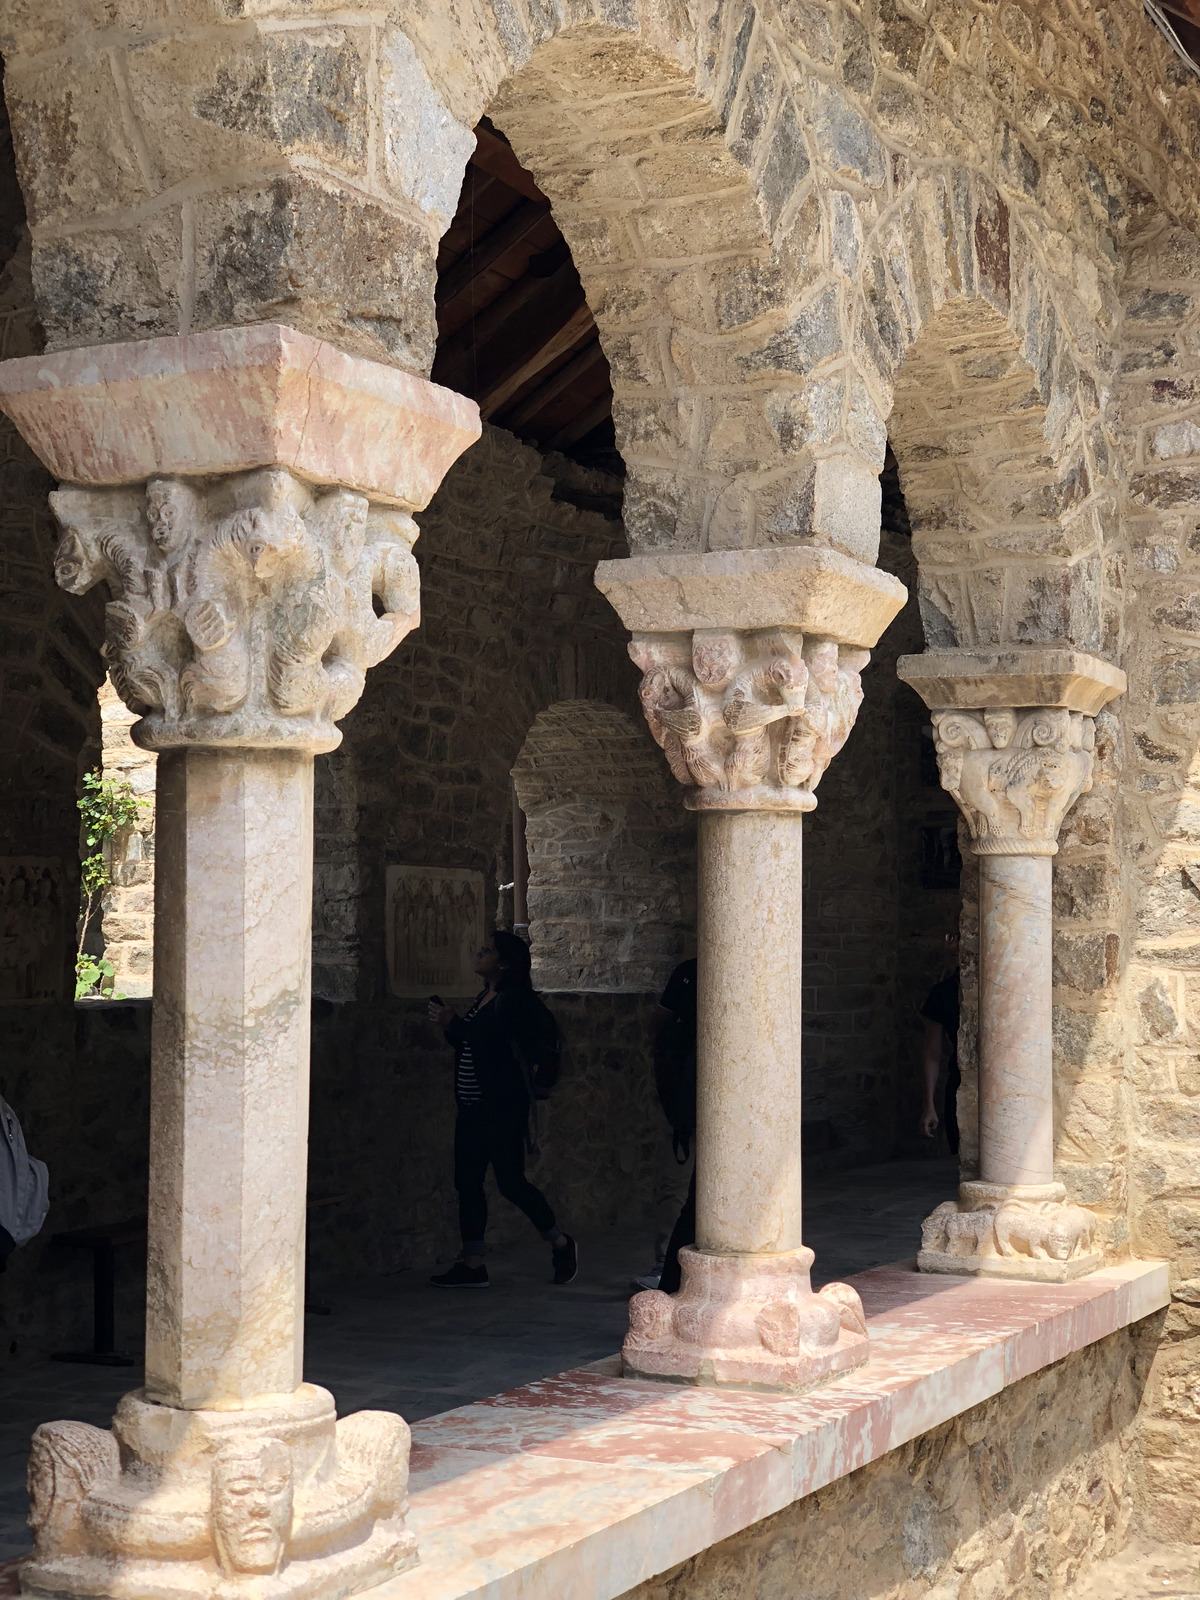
x=749, y=719
x=1015, y=773
x=244, y=610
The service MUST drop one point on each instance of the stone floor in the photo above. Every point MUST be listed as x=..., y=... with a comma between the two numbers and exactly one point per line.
x=397, y=1344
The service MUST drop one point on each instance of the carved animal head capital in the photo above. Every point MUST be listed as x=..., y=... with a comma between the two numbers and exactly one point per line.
x=1015, y=773
x=749, y=720
x=244, y=610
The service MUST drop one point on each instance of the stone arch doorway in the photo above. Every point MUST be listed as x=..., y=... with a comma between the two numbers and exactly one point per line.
x=611, y=853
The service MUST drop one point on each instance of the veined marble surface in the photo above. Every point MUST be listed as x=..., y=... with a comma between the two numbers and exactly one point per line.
x=581, y=1486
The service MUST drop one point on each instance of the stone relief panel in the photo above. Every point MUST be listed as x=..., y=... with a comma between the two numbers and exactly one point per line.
x=244, y=612
x=749, y=718
x=435, y=924
x=32, y=900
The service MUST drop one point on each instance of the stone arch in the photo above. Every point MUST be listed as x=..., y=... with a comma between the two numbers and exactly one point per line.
x=1004, y=533
x=850, y=160
x=611, y=851
x=990, y=376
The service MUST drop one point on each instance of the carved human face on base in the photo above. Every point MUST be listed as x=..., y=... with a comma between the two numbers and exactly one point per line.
x=252, y=1506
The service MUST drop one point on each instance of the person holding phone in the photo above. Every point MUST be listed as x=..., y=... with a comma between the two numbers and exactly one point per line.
x=505, y=1027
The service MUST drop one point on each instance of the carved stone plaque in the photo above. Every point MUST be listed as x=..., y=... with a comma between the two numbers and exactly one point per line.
x=31, y=928
x=434, y=927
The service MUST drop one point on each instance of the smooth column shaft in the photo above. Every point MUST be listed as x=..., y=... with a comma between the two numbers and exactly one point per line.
x=1016, y=1055
x=748, y=1039
x=229, y=1075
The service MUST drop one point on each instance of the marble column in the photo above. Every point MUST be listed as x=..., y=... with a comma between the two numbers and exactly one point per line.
x=751, y=662
x=245, y=497
x=1015, y=735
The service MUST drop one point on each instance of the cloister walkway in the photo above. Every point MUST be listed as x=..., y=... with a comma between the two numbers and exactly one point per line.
x=396, y=1344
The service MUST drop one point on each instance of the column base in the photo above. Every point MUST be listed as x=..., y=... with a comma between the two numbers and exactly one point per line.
x=746, y=1322
x=1011, y=1231
x=282, y=1502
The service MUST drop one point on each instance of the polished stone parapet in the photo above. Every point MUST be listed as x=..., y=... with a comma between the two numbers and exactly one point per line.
x=589, y=1483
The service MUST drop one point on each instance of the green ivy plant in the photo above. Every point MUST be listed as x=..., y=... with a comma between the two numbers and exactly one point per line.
x=106, y=806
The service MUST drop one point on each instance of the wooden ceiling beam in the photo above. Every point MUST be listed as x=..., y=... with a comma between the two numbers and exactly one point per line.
x=580, y=426
x=556, y=344
x=532, y=311
x=555, y=385
x=498, y=241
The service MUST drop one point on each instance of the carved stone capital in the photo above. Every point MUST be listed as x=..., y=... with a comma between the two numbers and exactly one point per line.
x=246, y=496
x=1015, y=773
x=749, y=720
x=244, y=610
x=750, y=664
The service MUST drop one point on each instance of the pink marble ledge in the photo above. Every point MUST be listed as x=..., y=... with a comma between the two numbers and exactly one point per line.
x=582, y=1486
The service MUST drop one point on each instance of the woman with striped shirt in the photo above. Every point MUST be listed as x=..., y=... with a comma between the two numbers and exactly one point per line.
x=505, y=1021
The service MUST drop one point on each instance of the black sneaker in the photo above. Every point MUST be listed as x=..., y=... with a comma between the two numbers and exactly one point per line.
x=565, y=1260
x=461, y=1276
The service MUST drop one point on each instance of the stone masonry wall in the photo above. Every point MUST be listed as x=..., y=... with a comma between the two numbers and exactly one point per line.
x=1016, y=1498
x=612, y=852
x=1151, y=1010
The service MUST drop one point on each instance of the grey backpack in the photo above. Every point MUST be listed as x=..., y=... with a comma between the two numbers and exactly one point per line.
x=24, y=1181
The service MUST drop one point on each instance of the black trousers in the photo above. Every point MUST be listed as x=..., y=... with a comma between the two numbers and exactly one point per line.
x=486, y=1138
x=684, y=1232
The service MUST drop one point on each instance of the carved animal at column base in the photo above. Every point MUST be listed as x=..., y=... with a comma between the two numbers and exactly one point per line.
x=1019, y=1231
x=279, y=1503
x=746, y=1322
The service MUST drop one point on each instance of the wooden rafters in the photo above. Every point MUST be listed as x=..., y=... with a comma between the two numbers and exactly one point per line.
x=514, y=328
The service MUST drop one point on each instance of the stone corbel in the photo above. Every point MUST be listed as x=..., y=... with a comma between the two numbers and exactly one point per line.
x=1015, y=736
x=750, y=664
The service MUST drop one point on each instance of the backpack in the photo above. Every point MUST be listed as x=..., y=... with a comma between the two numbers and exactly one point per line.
x=24, y=1181
x=542, y=1050
x=675, y=1081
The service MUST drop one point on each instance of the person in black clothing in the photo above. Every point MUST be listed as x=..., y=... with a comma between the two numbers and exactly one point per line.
x=506, y=1021
x=675, y=1073
x=940, y=1012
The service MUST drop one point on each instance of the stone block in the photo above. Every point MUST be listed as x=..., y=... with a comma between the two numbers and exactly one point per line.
x=112, y=283
x=233, y=400
x=245, y=100
x=1016, y=675
x=339, y=264
x=815, y=590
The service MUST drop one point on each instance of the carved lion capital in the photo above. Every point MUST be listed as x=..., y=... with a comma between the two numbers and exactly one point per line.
x=243, y=610
x=1015, y=773
x=749, y=720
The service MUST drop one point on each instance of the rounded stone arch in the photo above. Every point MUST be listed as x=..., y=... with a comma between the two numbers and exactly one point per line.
x=682, y=178
x=989, y=375
x=611, y=851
